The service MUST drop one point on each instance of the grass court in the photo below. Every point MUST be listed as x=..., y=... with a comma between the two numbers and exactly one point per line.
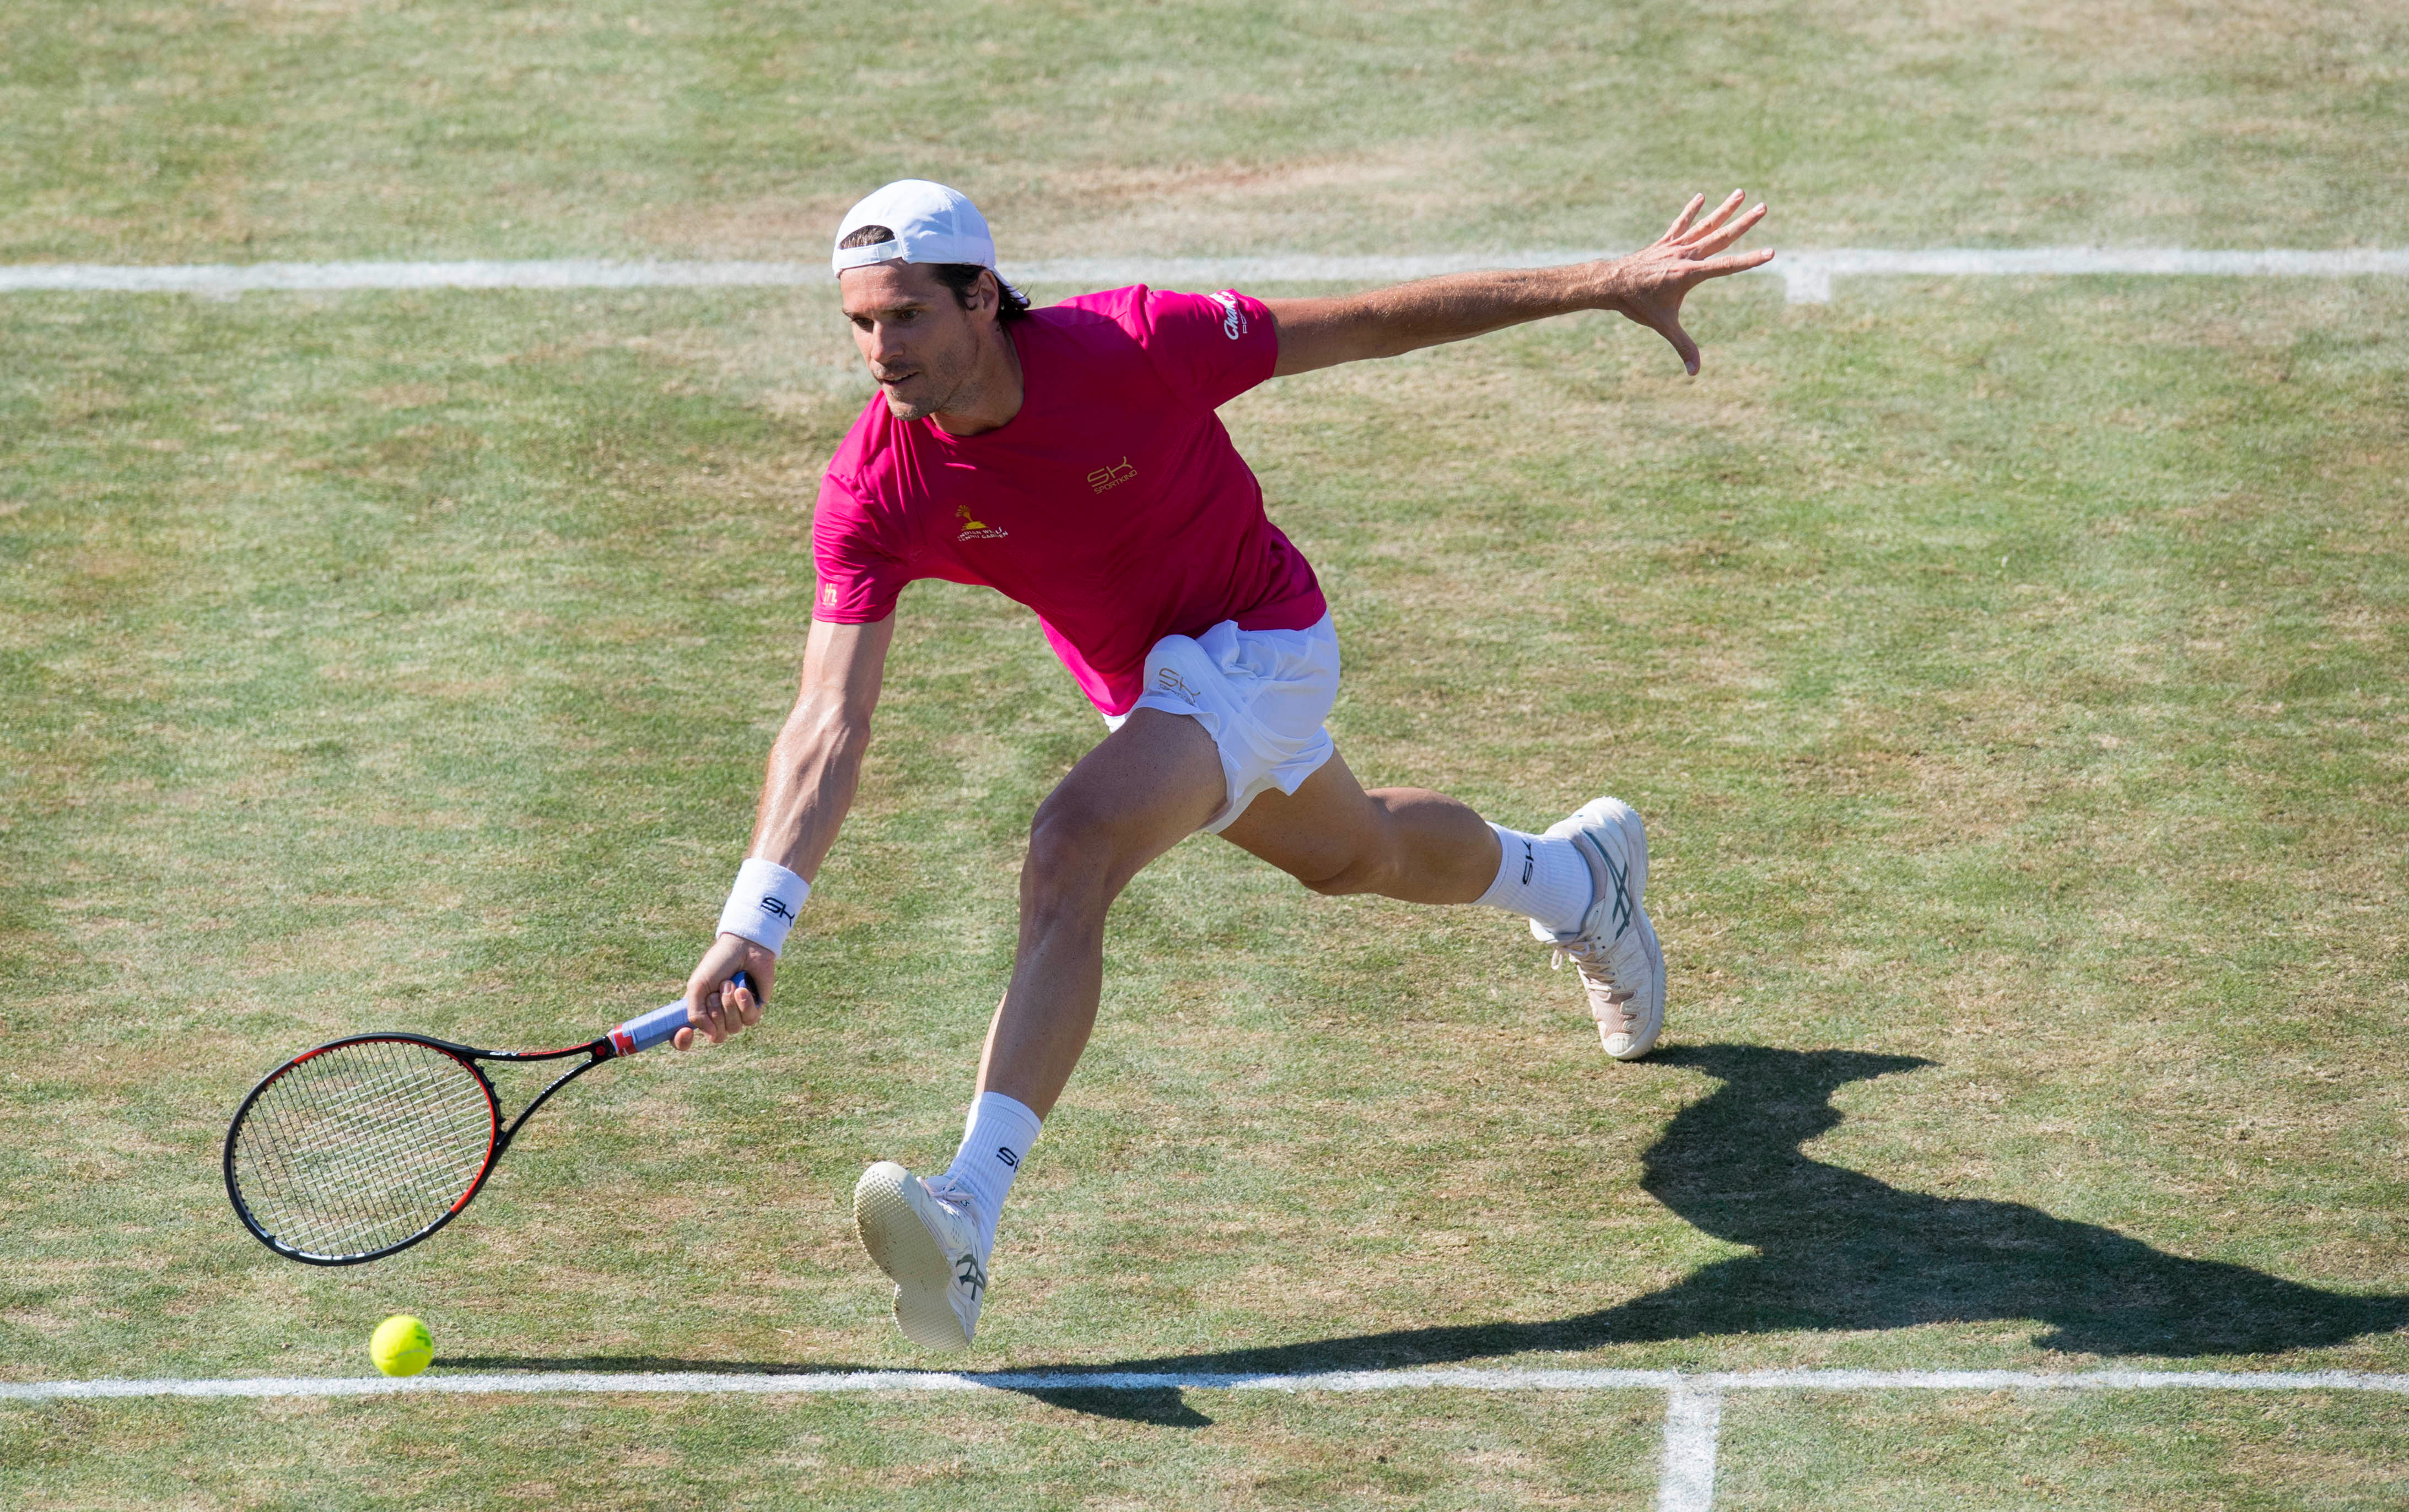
x=2011, y=672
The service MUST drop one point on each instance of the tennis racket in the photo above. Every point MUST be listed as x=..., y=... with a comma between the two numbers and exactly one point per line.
x=367, y=1145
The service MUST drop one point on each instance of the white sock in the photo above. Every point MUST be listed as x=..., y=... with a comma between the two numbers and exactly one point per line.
x=1541, y=877
x=995, y=1141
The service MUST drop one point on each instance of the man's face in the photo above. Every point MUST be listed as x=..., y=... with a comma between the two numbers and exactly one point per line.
x=922, y=345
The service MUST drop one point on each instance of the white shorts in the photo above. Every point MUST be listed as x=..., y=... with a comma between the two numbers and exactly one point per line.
x=1261, y=694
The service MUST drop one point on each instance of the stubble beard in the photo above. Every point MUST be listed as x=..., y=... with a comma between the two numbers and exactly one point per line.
x=948, y=384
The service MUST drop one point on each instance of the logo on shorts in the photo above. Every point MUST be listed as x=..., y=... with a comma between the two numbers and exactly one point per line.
x=1170, y=681
x=1105, y=480
x=1234, y=318
x=975, y=528
x=828, y=593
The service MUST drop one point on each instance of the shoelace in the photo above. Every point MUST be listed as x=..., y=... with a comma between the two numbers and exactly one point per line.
x=1590, y=957
x=960, y=1198
x=1591, y=960
x=951, y=1194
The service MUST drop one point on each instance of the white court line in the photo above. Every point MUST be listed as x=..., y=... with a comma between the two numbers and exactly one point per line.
x=692, y=1383
x=699, y=1383
x=1693, y=1418
x=1805, y=274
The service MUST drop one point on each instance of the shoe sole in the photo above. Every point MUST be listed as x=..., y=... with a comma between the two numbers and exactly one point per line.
x=903, y=1247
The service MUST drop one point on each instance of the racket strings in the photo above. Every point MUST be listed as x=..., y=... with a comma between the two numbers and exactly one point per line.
x=362, y=1146
x=404, y=1156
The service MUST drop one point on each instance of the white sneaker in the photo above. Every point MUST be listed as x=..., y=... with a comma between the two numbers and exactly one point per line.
x=922, y=1233
x=1621, y=967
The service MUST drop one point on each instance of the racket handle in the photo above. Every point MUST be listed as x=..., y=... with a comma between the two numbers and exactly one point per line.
x=661, y=1025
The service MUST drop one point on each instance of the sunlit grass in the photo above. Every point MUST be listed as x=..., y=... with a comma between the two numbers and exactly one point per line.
x=2011, y=674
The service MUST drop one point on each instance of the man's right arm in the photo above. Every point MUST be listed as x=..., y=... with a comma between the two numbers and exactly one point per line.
x=814, y=765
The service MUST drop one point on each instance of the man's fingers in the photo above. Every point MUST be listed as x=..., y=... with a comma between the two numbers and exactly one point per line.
x=1715, y=267
x=719, y=1006
x=1722, y=213
x=1689, y=253
x=1687, y=350
x=718, y=1012
x=1708, y=245
x=1682, y=222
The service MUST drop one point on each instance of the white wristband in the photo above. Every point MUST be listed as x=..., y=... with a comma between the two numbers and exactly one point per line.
x=762, y=905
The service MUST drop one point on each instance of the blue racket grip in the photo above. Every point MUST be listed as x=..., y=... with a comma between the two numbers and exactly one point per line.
x=661, y=1025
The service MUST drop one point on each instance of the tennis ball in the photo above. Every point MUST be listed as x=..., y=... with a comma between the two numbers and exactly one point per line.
x=402, y=1345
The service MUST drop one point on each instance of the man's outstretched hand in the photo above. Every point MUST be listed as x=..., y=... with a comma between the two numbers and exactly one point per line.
x=1648, y=286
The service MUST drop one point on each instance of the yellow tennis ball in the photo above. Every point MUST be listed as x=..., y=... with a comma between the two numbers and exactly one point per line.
x=402, y=1345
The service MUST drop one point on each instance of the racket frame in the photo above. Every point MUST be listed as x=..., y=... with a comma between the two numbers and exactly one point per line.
x=595, y=1051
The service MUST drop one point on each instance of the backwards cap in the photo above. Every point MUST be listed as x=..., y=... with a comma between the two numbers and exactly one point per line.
x=931, y=224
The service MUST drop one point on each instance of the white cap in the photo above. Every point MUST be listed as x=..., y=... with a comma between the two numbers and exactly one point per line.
x=931, y=224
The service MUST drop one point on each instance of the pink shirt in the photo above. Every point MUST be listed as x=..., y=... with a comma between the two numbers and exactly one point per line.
x=1113, y=504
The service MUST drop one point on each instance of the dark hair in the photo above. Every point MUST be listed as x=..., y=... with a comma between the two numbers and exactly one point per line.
x=1010, y=304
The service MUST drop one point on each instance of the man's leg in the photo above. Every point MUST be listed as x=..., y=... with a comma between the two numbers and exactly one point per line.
x=1403, y=842
x=1580, y=883
x=1148, y=785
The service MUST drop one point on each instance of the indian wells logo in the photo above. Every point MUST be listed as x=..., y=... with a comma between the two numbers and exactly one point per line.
x=1104, y=480
x=975, y=528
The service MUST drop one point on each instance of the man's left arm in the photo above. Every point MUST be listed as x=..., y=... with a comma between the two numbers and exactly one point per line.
x=1648, y=286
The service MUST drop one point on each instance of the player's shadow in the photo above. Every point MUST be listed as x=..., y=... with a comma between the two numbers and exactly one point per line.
x=1836, y=1249
x=1163, y=1406
x=1833, y=1249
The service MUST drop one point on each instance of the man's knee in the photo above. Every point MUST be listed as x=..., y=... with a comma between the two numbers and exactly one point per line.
x=1073, y=848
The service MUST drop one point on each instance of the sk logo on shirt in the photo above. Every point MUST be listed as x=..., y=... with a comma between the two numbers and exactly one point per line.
x=1105, y=480
x=977, y=529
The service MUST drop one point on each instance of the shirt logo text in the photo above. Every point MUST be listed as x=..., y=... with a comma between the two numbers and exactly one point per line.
x=1233, y=318
x=1169, y=681
x=1105, y=480
x=975, y=528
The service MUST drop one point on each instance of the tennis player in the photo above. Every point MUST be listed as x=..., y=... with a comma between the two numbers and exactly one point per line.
x=1070, y=458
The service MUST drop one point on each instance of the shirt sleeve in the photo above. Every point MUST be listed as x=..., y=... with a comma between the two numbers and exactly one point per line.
x=1209, y=347
x=861, y=572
